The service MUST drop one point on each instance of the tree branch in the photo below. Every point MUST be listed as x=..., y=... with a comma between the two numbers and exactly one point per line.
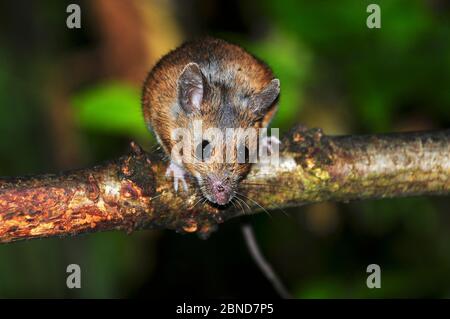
x=132, y=193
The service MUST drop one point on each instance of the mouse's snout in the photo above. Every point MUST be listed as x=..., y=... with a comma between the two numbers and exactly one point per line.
x=221, y=191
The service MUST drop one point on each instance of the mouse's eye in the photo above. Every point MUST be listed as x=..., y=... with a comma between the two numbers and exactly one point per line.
x=243, y=155
x=203, y=150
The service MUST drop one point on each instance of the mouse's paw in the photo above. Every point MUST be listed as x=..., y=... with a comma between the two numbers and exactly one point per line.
x=178, y=175
x=268, y=142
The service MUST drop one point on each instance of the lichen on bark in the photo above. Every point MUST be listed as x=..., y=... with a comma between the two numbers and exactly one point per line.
x=132, y=192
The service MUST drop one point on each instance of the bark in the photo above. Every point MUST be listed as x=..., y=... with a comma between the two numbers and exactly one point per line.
x=132, y=192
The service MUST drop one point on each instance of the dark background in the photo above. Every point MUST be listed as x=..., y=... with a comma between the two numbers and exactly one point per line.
x=70, y=98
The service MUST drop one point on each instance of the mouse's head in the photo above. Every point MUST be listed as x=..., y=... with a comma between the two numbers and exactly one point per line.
x=218, y=116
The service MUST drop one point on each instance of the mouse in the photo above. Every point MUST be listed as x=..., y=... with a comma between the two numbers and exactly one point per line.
x=223, y=86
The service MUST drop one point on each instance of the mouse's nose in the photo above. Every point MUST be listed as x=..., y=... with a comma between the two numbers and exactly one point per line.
x=221, y=192
x=219, y=188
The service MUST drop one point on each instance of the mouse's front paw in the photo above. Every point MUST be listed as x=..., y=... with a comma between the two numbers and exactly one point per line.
x=178, y=175
x=268, y=142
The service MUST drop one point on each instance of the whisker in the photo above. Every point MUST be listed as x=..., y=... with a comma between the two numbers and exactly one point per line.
x=201, y=198
x=155, y=196
x=245, y=203
x=281, y=209
x=267, y=186
x=240, y=205
x=264, y=185
x=255, y=203
x=238, y=200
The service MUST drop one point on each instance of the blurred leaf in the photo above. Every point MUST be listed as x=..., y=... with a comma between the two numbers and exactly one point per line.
x=406, y=23
x=112, y=108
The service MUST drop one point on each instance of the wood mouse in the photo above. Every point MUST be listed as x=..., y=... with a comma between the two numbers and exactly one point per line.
x=222, y=85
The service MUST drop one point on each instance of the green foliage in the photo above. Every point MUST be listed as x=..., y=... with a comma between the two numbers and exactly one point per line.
x=403, y=64
x=112, y=108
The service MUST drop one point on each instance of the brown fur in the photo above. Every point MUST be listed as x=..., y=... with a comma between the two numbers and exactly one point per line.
x=232, y=74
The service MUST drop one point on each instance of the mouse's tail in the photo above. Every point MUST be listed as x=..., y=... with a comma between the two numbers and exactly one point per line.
x=260, y=260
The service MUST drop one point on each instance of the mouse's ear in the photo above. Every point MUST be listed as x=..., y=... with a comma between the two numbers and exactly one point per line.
x=261, y=102
x=190, y=88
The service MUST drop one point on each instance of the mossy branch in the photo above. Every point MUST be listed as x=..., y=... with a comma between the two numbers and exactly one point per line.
x=132, y=193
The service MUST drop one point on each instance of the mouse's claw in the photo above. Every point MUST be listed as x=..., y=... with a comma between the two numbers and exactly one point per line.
x=178, y=175
x=267, y=143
